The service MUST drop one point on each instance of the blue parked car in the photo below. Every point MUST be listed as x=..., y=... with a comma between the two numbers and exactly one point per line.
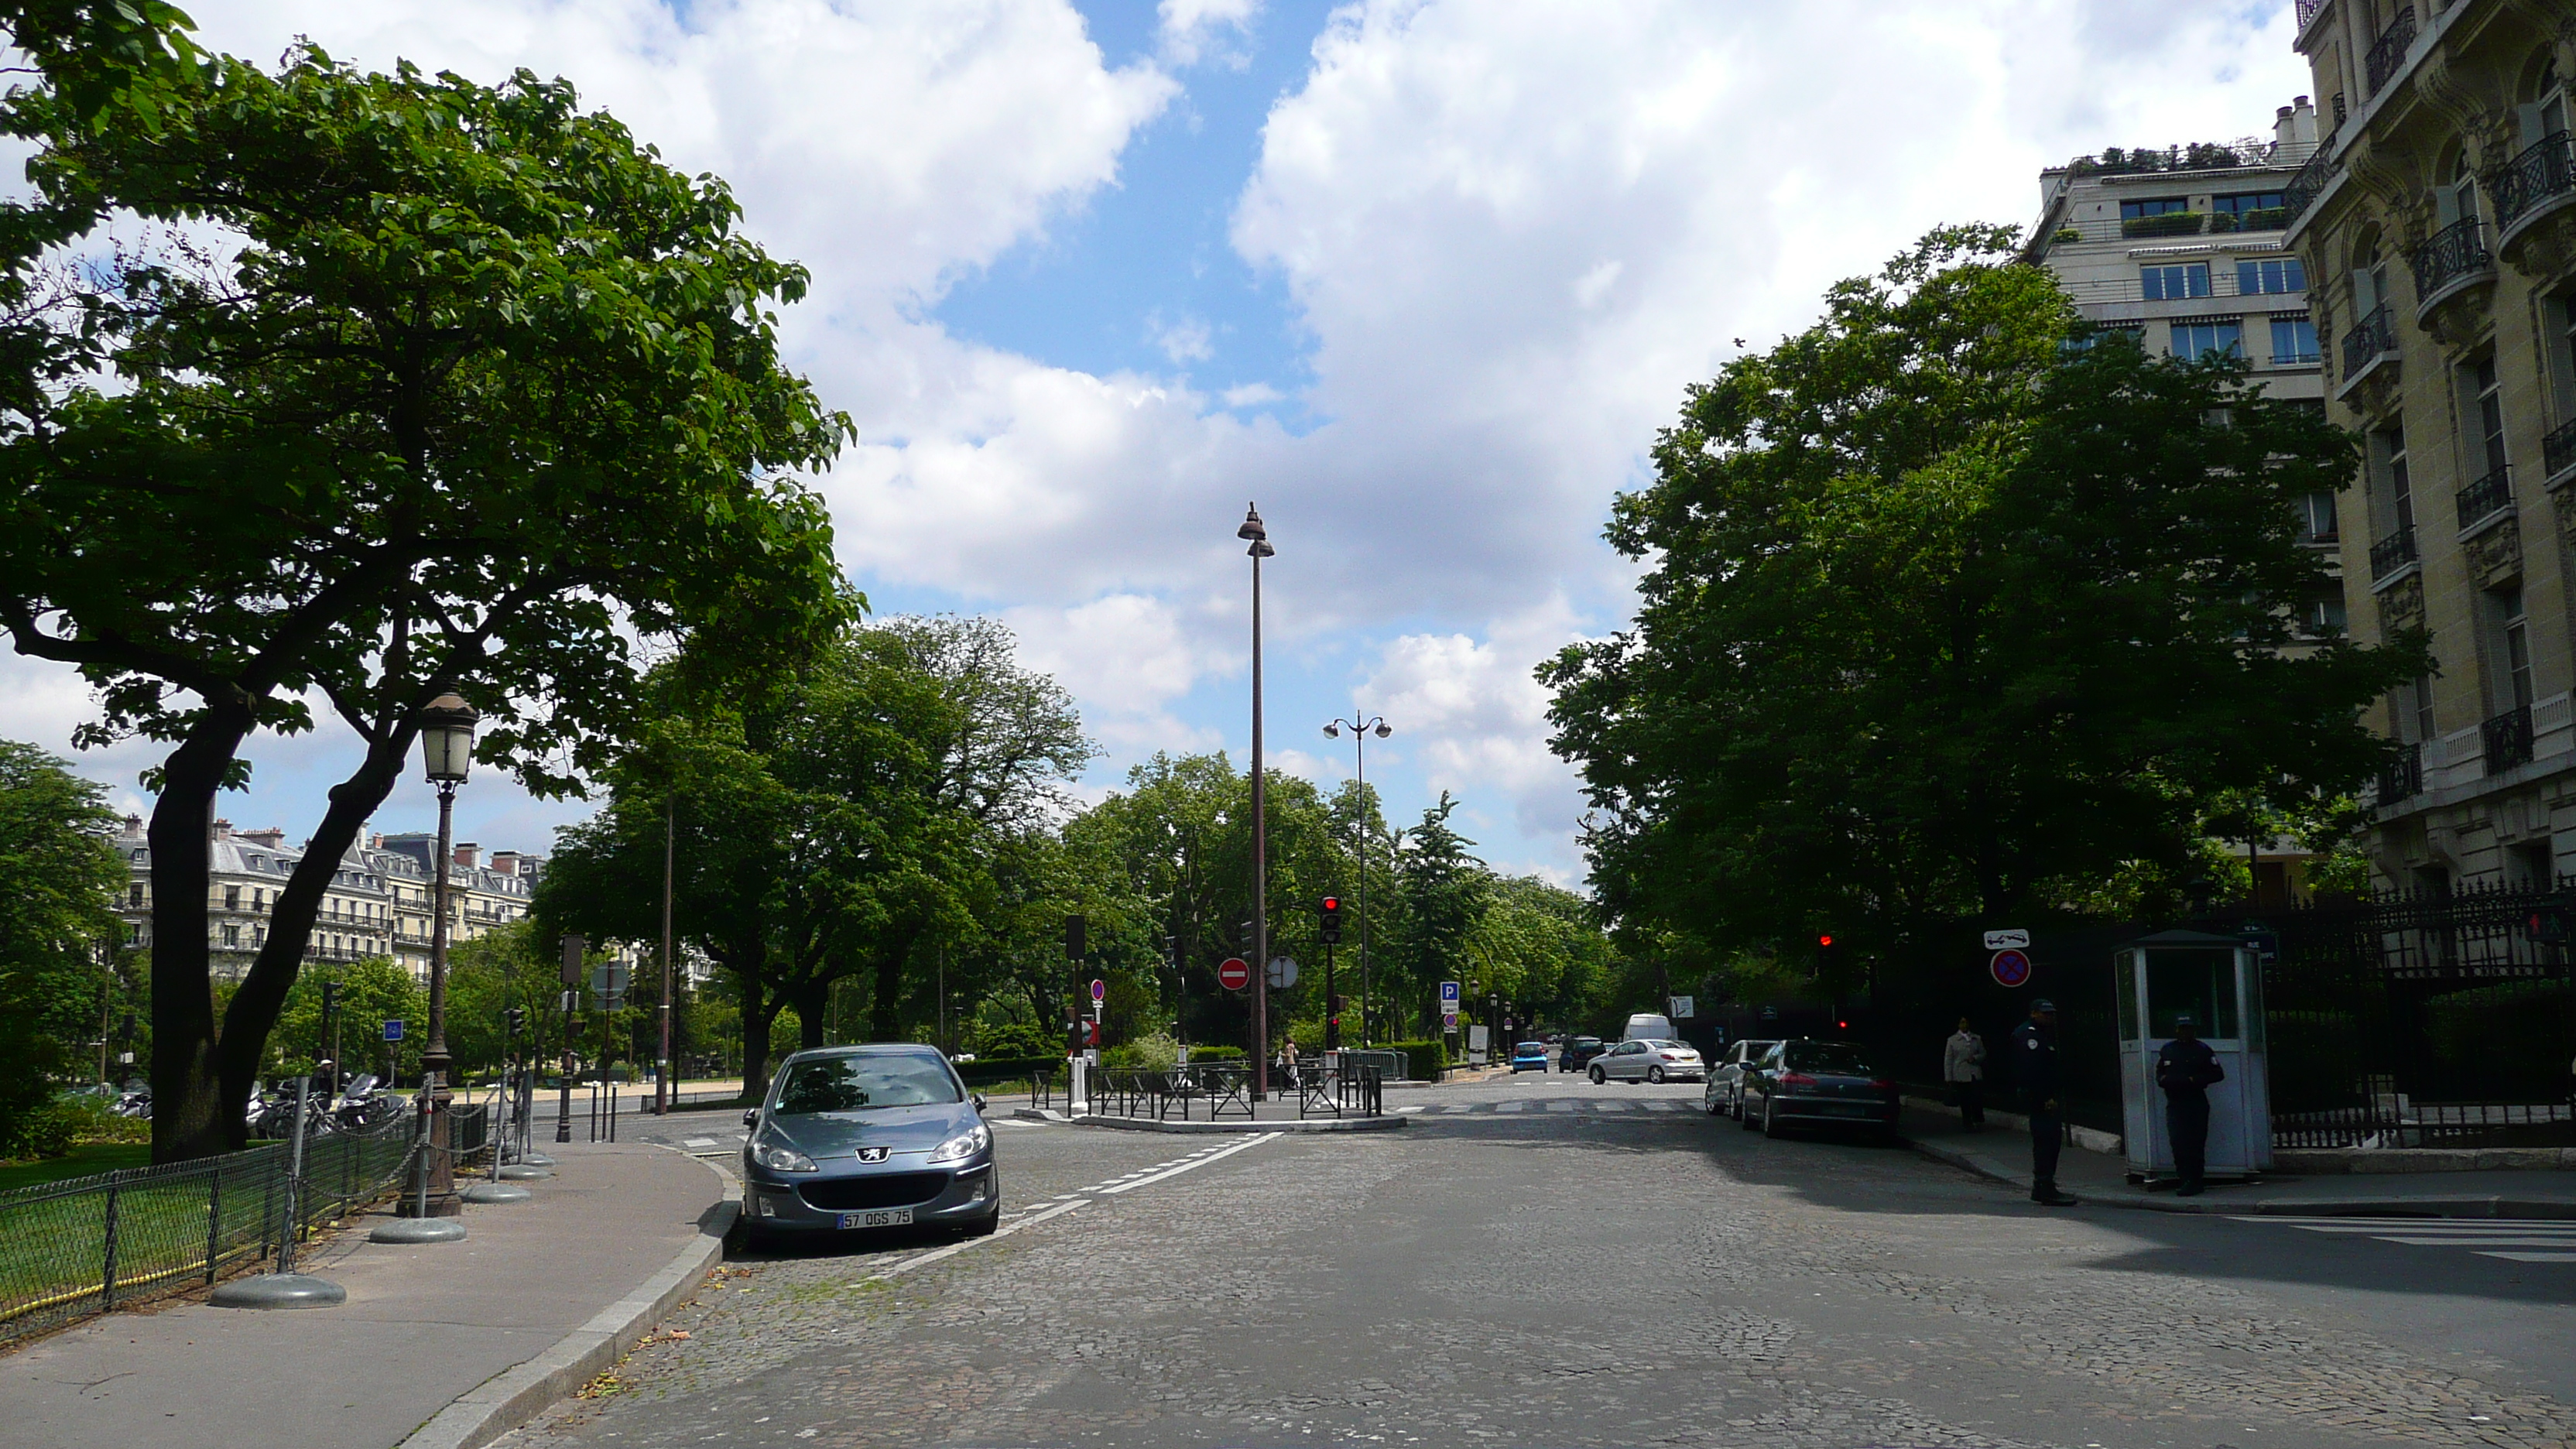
x=1529, y=1056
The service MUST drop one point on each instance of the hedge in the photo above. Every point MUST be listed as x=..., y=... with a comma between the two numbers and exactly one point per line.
x=1426, y=1059
x=1216, y=1054
x=986, y=1071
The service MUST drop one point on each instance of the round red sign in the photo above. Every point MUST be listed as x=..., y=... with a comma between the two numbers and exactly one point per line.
x=2010, y=968
x=1234, y=973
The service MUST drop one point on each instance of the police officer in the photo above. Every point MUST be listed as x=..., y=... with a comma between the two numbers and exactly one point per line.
x=2034, y=1055
x=2186, y=1068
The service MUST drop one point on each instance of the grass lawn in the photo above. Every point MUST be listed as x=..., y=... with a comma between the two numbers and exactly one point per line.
x=80, y=1162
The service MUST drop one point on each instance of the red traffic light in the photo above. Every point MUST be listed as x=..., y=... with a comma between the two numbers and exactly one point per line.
x=1332, y=903
x=1824, y=940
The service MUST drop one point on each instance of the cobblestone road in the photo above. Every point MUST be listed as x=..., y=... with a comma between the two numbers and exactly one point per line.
x=1622, y=1276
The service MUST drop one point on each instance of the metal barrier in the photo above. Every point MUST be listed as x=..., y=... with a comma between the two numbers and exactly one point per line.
x=1216, y=1090
x=85, y=1245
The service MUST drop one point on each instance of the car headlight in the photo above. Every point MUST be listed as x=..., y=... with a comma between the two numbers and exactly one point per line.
x=779, y=1157
x=964, y=1145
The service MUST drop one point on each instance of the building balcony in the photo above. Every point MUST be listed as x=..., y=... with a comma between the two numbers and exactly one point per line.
x=2484, y=499
x=2392, y=553
x=2456, y=256
x=2558, y=453
x=2373, y=337
x=2506, y=739
x=2402, y=776
x=2537, y=184
x=2172, y=223
x=2306, y=186
x=2388, y=53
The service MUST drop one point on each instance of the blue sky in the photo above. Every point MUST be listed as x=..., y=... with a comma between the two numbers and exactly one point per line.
x=1421, y=276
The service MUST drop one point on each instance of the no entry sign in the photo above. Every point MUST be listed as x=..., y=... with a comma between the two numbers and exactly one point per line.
x=2011, y=968
x=1234, y=973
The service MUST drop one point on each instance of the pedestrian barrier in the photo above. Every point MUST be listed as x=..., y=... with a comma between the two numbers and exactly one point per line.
x=1217, y=1090
x=86, y=1245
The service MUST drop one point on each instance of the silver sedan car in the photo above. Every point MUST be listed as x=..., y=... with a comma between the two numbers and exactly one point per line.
x=1648, y=1060
x=1724, y=1095
x=879, y=1136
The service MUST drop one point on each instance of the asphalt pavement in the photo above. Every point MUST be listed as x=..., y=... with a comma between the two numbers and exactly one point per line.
x=1541, y=1261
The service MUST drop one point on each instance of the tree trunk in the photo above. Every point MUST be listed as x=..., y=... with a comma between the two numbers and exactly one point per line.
x=253, y=1012
x=758, y=1012
x=813, y=1011
x=189, y=1108
x=885, y=1012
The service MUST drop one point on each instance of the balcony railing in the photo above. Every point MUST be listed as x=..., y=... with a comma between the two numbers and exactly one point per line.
x=2308, y=13
x=2403, y=776
x=2488, y=496
x=2388, y=52
x=2545, y=169
x=2171, y=223
x=2455, y=251
x=2305, y=185
x=2558, y=450
x=2507, y=739
x=2372, y=336
x=2392, y=553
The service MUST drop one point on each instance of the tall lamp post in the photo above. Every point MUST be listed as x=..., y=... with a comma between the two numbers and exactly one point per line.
x=447, y=751
x=1257, y=539
x=1359, y=748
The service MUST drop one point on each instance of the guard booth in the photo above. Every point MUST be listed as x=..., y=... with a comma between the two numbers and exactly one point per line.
x=2218, y=982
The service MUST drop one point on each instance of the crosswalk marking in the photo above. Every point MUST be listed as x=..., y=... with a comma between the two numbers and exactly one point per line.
x=2505, y=1238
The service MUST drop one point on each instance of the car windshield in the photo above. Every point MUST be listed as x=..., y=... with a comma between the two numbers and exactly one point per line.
x=1584, y=1041
x=1828, y=1056
x=1532, y=1049
x=862, y=1083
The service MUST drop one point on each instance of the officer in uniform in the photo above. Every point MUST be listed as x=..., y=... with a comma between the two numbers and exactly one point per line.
x=2034, y=1056
x=2186, y=1068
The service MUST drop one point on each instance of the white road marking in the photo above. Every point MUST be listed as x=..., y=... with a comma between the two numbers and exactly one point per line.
x=1403, y=1111
x=1191, y=1166
x=1456, y=1107
x=953, y=1249
x=1561, y=1104
x=2482, y=1236
x=1662, y=1105
x=2533, y=1257
x=697, y=1142
x=1610, y=1105
x=1524, y=1106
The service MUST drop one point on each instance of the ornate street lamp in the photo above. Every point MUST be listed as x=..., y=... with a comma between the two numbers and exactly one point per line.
x=446, y=753
x=1359, y=746
x=1258, y=540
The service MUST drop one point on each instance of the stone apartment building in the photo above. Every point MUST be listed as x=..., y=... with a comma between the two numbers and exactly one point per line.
x=2183, y=248
x=378, y=903
x=2437, y=224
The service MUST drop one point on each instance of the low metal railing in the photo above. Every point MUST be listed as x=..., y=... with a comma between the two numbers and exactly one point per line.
x=2507, y=739
x=1217, y=1090
x=2558, y=449
x=2372, y=336
x=2456, y=251
x=2402, y=776
x=2306, y=185
x=2388, y=52
x=85, y=1245
x=2543, y=169
x=2392, y=553
x=2484, y=498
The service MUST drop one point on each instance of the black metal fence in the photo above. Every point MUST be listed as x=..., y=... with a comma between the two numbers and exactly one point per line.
x=1214, y=1091
x=86, y=1245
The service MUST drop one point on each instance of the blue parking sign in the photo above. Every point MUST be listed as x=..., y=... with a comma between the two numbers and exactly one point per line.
x=393, y=1029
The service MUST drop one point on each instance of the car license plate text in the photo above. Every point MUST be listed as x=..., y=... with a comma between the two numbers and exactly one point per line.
x=881, y=1218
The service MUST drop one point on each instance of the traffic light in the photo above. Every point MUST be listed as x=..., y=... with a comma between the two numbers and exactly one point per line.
x=1829, y=953
x=2546, y=924
x=515, y=1020
x=1074, y=938
x=1332, y=919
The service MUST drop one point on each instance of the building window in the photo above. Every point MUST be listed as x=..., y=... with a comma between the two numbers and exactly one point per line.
x=2194, y=340
x=2245, y=201
x=2487, y=457
x=2174, y=284
x=2513, y=648
x=2276, y=277
x=2401, y=493
x=2325, y=616
x=2154, y=206
x=2317, y=517
x=232, y=935
x=134, y=894
x=232, y=898
x=2294, y=339
x=2423, y=708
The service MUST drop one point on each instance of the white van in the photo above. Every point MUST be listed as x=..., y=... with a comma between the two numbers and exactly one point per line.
x=1646, y=1027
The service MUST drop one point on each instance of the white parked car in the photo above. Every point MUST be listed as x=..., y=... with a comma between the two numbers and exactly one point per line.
x=1648, y=1060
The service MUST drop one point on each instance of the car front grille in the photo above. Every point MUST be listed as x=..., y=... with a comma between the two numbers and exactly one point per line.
x=884, y=1190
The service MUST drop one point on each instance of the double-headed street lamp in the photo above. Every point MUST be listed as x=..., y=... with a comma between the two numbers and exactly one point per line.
x=446, y=752
x=1359, y=746
x=1258, y=540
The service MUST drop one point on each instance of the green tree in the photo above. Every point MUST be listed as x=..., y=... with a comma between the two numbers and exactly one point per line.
x=58, y=877
x=1954, y=608
x=484, y=392
x=372, y=991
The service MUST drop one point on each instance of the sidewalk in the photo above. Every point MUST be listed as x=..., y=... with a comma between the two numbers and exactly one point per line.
x=542, y=1287
x=2101, y=1179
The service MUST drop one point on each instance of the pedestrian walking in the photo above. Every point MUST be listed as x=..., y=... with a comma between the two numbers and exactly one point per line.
x=2186, y=1068
x=1963, y=1066
x=1288, y=1058
x=2035, y=1072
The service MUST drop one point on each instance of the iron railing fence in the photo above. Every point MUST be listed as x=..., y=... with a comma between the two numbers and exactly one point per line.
x=2307, y=184
x=83, y=1246
x=2544, y=169
x=2373, y=335
x=2558, y=449
x=2388, y=52
x=1218, y=1090
x=2489, y=495
x=2392, y=553
x=2456, y=251
x=2506, y=738
x=2403, y=775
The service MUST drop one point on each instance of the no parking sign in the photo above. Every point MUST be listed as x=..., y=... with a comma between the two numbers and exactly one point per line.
x=2011, y=967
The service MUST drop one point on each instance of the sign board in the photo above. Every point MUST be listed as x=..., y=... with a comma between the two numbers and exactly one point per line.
x=1682, y=1007
x=574, y=948
x=1448, y=1021
x=1283, y=973
x=1476, y=1036
x=1234, y=973
x=2262, y=940
x=2007, y=940
x=609, y=978
x=393, y=1029
x=1099, y=989
x=1449, y=996
x=2010, y=968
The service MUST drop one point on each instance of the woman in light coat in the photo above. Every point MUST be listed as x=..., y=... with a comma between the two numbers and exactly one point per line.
x=1963, y=1066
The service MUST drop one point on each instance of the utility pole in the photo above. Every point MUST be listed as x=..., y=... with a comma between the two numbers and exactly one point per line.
x=1360, y=730
x=662, y=1075
x=1258, y=539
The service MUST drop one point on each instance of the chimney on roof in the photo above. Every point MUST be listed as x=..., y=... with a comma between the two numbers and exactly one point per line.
x=134, y=825
x=273, y=837
x=223, y=830
x=467, y=852
x=2294, y=131
x=506, y=861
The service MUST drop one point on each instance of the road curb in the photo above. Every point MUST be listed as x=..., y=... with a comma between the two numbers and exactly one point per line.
x=1147, y=1124
x=2458, y=1206
x=515, y=1395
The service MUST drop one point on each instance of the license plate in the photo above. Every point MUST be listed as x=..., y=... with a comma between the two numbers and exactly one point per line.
x=881, y=1218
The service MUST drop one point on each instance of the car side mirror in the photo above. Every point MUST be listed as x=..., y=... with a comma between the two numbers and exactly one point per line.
x=979, y=1101
x=751, y=1118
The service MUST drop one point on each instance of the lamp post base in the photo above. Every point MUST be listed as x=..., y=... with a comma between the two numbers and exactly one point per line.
x=279, y=1290
x=495, y=1192
x=418, y=1230
x=438, y=1207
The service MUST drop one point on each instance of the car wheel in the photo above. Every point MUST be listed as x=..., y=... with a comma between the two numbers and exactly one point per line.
x=1743, y=1115
x=1710, y=1103
x=983, y=1227
x=1599, y=1076
x=1770, y=1119
x=1655, y=1075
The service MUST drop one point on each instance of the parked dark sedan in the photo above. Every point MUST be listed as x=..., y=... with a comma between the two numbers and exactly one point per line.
x=1724, y=1094
x=1817, y=1083
x=1578, y=1053
x=880, y=1136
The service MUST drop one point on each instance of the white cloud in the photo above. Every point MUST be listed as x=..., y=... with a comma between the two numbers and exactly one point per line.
x=1190, y=29
x=1475, y=717
x=1126, y=659
x=1184, y=340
